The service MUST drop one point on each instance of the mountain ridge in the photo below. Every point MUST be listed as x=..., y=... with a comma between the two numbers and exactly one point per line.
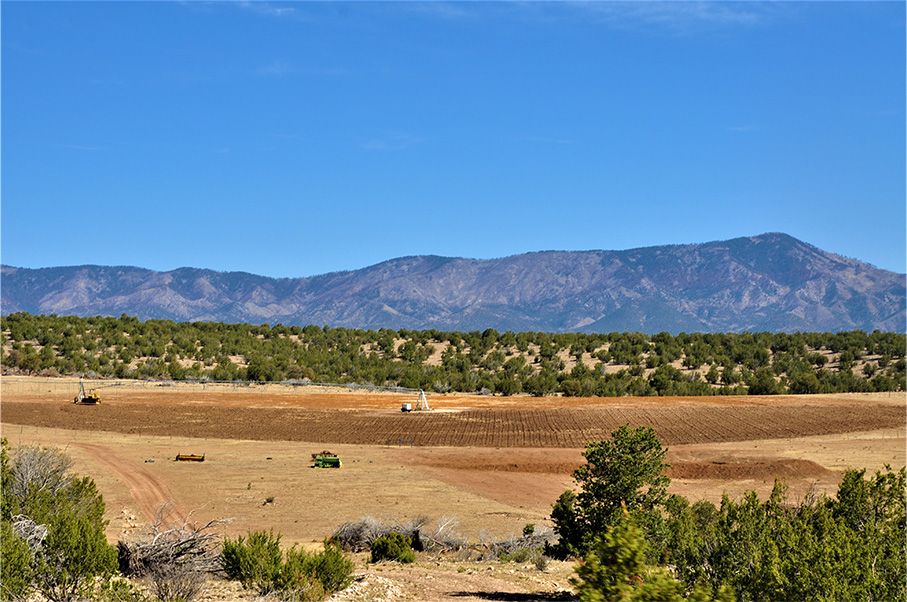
x=767, y=282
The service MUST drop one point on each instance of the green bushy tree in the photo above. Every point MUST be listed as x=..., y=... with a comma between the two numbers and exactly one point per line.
x=15, y=565
x=626, y=471
x=846, y=548
x=850, y=547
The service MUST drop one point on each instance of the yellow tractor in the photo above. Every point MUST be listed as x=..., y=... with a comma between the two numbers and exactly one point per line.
x=86, y=399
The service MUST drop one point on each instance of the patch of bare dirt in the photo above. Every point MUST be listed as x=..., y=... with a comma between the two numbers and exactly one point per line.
x=748, y=469
x=148, y=491
x=448, y=581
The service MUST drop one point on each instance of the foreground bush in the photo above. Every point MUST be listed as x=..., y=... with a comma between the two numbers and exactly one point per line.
x=615, y=568
x=259, y=563
x=15, y=568
x=53, y=528
x=850, y=547
x=393, y=546
x=255, y=562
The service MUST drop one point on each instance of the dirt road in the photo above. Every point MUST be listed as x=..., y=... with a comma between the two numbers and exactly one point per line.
x=150, y=494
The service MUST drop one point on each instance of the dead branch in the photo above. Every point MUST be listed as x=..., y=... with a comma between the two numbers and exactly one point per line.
x=183, y=543
x=444, y=537
x=27, y=529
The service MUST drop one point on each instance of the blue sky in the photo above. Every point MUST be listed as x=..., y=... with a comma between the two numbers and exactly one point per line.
x=296, y=139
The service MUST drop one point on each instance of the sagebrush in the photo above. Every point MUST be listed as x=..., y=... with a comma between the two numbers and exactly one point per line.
x=259, y=562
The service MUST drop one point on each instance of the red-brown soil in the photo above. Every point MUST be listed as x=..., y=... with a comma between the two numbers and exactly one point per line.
x=459, y=421
x=546, y=461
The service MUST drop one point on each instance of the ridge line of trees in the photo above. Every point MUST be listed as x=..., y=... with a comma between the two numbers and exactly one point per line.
x=487, y=362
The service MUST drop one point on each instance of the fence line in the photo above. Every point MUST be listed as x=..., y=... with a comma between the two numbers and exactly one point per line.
x=15, y=384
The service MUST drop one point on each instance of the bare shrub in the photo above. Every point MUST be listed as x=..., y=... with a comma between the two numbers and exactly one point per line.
x=527, y=548
x=360, y=535
x=444, y=536
x=175, y=582
x=175, y=558
x=183, y=541
x=39, y=468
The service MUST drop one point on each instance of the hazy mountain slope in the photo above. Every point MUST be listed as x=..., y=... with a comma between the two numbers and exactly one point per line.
x=769, y=282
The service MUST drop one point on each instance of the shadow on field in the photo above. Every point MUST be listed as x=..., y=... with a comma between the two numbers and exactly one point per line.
x=514, y=597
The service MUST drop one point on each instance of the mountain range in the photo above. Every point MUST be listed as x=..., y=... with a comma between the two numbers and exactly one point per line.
x=771, y=282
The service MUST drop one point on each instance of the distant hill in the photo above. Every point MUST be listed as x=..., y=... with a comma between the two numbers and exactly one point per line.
x=772, y=282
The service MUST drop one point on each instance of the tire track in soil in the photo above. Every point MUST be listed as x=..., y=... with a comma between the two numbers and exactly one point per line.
x=148, y=491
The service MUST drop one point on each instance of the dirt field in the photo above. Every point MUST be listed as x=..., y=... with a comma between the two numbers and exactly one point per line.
x=271, y=414
x=494, y=463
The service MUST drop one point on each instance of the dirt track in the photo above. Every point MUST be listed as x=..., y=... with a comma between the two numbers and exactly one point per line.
x=150, y=493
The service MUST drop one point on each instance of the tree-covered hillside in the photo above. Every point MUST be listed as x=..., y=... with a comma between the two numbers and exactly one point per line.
x=488, y=362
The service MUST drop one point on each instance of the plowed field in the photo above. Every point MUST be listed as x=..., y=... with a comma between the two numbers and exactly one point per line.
x=375, y=419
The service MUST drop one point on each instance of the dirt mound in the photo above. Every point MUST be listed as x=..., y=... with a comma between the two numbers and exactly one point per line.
x=530, y=467
x=756, y=469
x=722, y=470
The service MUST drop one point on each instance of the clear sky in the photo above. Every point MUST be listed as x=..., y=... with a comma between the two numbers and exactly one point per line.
x=296, y=139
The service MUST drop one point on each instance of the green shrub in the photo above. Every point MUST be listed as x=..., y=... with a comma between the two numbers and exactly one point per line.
x=120, y=590
x=15, y=569
x=259, y=563
x=297, y=577
x=255, y=562
x=615, y=568
x=393, y=546
x=76, y=549
x=850, y=547
x=332, y=568
x=64, y=552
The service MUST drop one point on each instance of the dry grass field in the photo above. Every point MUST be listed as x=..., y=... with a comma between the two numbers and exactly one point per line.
x=493, y=463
